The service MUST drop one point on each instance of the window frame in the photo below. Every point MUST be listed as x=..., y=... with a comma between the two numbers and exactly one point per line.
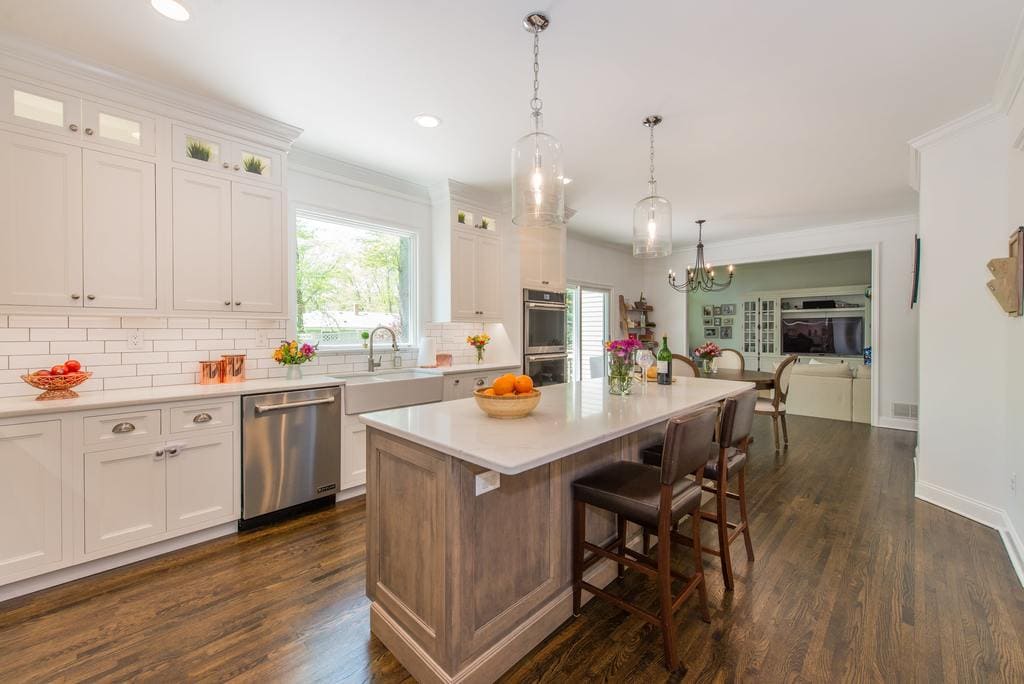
x=329, y=216
x=575, y=346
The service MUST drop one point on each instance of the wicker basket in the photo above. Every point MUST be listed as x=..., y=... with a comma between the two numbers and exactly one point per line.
x=57, y=386
x=507, y=405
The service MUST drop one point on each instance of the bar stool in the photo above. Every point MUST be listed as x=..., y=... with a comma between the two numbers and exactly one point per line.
x=726, y=460
x=656, y=499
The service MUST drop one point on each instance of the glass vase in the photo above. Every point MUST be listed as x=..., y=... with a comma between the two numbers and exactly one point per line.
x=620, y=376
x=479, y=354
x=707, y=365
x=293, y=371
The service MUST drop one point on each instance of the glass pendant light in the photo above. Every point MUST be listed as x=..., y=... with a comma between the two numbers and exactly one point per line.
x=652, y=216
x=538, y=183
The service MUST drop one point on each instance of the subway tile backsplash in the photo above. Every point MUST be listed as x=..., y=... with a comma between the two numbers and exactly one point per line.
x=172, y=347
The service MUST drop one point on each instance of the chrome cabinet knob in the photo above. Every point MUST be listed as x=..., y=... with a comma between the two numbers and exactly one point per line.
x=456, y=382
x=479, y=382
x=238, y=303
x=226, y=165
x=74, y=128
x=237, y=167
x=123, y=429
x=88, y=131
x=172, y=451
x=228, y=303
x=159, y=454
x=76, y=296
x=90, y=297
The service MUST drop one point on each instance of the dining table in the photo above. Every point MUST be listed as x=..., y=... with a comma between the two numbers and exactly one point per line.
x=762, y=380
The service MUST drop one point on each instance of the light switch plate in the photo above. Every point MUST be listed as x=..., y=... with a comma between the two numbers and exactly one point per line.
x=262, y=338
x=487, y=481
x=135, y=340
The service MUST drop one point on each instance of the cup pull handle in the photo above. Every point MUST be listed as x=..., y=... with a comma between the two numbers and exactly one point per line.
x=123, y=428
x=202, y=418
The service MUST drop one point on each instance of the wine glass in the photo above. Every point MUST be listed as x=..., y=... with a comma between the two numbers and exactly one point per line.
x=645, y=359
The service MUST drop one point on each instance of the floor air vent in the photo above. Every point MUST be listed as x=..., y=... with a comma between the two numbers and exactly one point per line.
x=902, y=410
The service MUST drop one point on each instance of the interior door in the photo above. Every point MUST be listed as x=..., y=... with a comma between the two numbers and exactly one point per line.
x=257, y=249
x=488, y=277
x=125, y=496
x=30, y=497
x=201, y=228
x=40, y=222
x=119, y=225
x=201, y=479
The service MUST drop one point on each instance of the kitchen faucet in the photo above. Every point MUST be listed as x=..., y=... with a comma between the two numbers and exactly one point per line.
x=374, y=365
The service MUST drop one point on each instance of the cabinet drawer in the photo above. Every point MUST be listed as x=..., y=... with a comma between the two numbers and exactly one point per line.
x=202, y=416
x=122, y=428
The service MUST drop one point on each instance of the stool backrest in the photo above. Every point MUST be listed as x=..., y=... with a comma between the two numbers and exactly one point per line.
x=782, y=375
x=683, y=366
x=688, y=442
x=737, y=419
x=730, y=359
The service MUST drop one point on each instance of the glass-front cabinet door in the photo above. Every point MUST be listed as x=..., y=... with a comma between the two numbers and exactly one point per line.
x=40, y=108
x=198, y=148
x=118, y=127
x=256, y=163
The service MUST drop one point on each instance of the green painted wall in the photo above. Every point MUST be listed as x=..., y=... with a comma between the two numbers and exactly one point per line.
x=834, y=270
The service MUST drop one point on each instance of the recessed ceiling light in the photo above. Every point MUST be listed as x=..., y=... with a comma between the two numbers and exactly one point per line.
x=427, y=120
x=172, y=9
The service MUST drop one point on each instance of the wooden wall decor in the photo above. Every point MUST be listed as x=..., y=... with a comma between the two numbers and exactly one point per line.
x=1007, y=284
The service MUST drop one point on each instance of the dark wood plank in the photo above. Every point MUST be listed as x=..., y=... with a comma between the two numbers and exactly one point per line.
x=854, y=580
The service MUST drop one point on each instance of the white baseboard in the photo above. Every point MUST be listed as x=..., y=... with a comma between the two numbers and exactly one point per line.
x=978, y=511
x=350, y=493
x=908, y=424
x=74, y=572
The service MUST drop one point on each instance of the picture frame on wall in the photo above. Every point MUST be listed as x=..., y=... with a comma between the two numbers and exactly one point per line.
x=727, y=320
x=717, y=310
x=708, y=321
x=728, y=309
x=710, y=332
x=708, y=310
x=725, y=332
x=718, y=321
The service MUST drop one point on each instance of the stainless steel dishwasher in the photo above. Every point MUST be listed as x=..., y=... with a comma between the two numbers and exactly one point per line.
x=291, y=449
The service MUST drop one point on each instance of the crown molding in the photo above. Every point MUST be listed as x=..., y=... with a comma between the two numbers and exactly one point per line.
x=71, y=71
x=978, y=117
x=310, y=163
x=1011, y=75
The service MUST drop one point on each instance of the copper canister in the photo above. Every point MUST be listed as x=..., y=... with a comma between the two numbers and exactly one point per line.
x=211, y=372
x=234, y=367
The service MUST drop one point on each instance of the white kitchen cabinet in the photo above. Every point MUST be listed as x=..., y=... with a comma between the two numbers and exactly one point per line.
x=487, y=272
x=201, y=477
x=125, y=496
x=40, y=222
x=464, y=276
x=542, y=258
x=353, y=454
x=41, y=108
x=219, y=154
x=472, y=291
x=201, y=227
x=119, y=232
x=31, y=482
x=462, y=385
x=257, y=249
x=118, y=127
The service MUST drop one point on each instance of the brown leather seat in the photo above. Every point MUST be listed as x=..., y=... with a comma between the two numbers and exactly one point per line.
x=736, y=460
x=633, y=490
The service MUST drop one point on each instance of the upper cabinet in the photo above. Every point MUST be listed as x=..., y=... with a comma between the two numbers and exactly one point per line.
x=228, y=245
x=209, y=151
x=542, y=258
x=468, y=264
x=118, y=128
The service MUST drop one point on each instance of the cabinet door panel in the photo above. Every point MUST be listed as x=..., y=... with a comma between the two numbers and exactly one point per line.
x=41, y=108
x=463, y=276
x=531, y=252
x=353, y=459
x=118, y=127
x=488, y=278
x=201, y=221
x=125, y=495
x=119, y=227
x=40, y=222
x=30, y=497
x=257, y=258
x=200, y=481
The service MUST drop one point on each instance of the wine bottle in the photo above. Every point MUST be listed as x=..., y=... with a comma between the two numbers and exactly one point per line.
x=664, y=363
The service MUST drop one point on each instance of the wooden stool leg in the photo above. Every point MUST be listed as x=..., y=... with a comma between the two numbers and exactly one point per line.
x=668, y=625
x=647, y=542
x=579, y=532
x=622, y=543
x=742, y=484
x=723, y=532
x=785, y=430
x=775, y=429
x=699, y=567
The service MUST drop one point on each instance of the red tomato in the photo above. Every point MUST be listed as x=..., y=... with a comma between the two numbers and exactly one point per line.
x=42, y=372
x=59, y=369
x=72, y=366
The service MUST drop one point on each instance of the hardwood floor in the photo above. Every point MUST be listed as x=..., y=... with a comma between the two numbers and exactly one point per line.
x=854, y=580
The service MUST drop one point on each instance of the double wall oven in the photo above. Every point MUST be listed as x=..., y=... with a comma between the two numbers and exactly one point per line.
x=545, y=347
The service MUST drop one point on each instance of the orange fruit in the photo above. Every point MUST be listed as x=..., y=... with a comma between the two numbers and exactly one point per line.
x=506, y=384
x=489, y=392
x=524, y=384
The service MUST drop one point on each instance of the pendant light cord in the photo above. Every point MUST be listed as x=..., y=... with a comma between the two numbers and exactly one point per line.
x=536, y=103
x=652, y=182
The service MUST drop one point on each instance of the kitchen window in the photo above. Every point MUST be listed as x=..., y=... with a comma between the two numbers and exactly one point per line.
x=351, y=277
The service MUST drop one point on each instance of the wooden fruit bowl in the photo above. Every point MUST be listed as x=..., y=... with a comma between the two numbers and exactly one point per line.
x=57, y=386
x=507, y=405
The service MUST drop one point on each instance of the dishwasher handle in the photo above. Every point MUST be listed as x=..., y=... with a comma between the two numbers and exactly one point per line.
x=295, y=404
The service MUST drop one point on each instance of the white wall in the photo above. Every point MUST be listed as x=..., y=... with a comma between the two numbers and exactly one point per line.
x=895, y=356
x=610, y=266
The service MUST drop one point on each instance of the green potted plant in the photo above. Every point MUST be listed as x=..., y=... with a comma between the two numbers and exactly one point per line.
x=484, y=224
x=253, y=164
x=197, y=150
x=366, y=338
x=462, y=217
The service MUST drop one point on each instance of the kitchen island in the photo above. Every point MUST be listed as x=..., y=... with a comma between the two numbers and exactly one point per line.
x=469, y=524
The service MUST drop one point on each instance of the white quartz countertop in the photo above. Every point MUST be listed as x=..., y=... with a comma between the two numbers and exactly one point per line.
x=570, y=418
x=468, y=368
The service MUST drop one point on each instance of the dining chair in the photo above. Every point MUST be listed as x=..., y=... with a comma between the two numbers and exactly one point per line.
x=656, y=498
x=776, y=405
x=731, y=359
x=684, y=367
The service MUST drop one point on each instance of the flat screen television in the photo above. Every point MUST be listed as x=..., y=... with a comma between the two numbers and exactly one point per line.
x=842, y=336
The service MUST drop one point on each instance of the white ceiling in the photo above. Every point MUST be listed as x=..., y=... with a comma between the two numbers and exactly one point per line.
x=778, y=115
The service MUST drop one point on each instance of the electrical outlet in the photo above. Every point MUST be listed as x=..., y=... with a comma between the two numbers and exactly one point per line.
x=262, y=338
x=135, y=340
